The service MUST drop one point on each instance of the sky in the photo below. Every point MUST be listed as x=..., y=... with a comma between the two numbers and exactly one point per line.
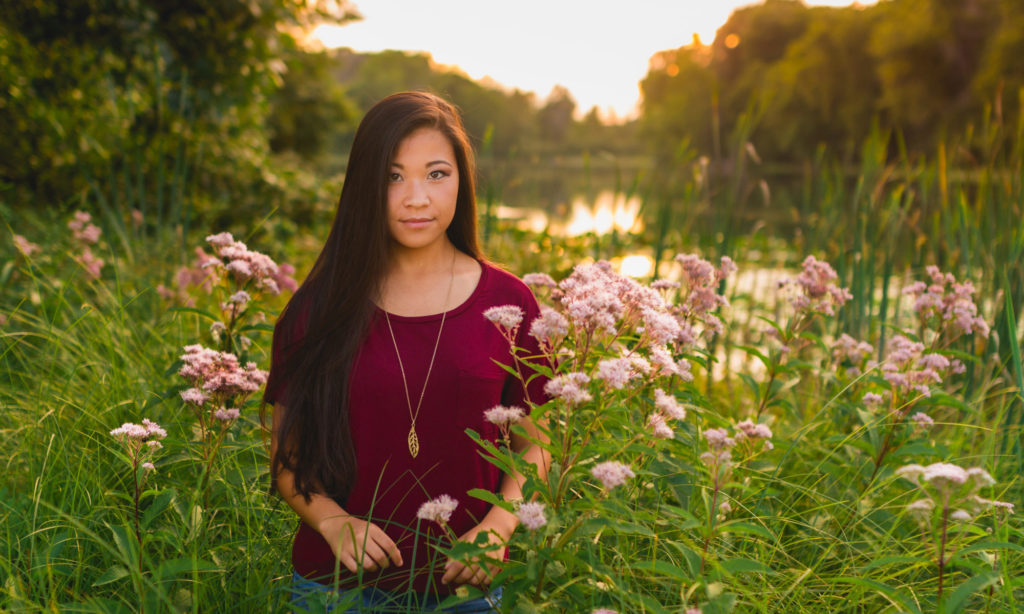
x=598, y=50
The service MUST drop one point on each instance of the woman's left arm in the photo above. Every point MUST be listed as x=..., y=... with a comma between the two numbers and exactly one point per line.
x=499, y=524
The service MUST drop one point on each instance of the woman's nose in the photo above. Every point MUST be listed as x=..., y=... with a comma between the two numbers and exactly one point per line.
x=416, y=194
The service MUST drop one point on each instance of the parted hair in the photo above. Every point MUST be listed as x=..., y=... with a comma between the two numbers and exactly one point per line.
x=336, y=300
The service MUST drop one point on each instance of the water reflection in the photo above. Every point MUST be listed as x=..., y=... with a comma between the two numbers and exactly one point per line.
x=610, y=210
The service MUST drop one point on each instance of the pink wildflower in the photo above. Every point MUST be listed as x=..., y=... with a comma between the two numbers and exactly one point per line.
x=26, y=247
x=749, y=430
x=684, y=370
x=147, y=431
x=531, y=514
x=89, y=234
x=819, y=292
x=998, y=505
x=922, y=421
x=503, y=416
x=726, y=267
x=240, y=298
x=639, y=364
x=668, y=404
x=137, y=218
x=224, y=414
x=719, y=439
x=549, y=328
x=540, y=280
x=611, y=473
x=570, y=387
x=921, y=506
x=933, y=361
x=699, y=294
x=148, y=466
x=660, y=326
x=285, y=280
x=871, y=399
x=849, y=349
x=438, y=510
x=946, y=303
x=659, y=427
x=194, y=396
x=92, y=264
x=505, y=317
x=241, y=269
x=223, y=239
x=82, y=230
x=960, y=516
x=219, y=372
x=663, y=361
x=616, y=372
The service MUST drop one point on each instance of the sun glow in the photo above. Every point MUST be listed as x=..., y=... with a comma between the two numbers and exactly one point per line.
x=599, y=55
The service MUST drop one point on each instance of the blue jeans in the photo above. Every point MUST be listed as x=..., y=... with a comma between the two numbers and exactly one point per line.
x=310, y=596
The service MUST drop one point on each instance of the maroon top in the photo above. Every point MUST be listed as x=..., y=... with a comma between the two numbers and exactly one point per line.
x=465, y=381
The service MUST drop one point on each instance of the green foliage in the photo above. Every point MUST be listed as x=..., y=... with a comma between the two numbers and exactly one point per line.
x=926, y=68
x=101, y=89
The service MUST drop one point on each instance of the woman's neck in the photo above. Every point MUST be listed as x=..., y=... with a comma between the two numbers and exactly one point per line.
x=427, y=260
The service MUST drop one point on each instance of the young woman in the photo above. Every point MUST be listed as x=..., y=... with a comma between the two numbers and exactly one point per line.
x=382, y=359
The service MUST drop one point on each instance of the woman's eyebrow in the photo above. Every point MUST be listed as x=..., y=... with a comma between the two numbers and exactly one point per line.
x=431, y=163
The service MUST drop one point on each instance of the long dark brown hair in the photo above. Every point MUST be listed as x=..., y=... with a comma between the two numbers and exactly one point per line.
x=336, y=299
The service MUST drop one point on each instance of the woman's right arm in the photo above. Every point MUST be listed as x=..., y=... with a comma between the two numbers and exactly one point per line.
x=356, y=542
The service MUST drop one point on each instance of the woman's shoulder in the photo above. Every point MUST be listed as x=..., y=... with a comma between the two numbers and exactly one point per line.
x=501, y=285
x=499, y=277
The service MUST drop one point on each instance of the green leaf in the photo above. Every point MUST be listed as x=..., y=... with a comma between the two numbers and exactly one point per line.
x=901, y=561
x=755, y=389
x=198, y=312
x=159, y=504
x=746, y=527
x=663, y=568
x=113, y=574
x=123, y=543
x=986, y=545
x=176, y=567
x=490, y=497
x=263, y=326
x=972, y=585
x=741, y=565
x=651, y=604
x=894, y=595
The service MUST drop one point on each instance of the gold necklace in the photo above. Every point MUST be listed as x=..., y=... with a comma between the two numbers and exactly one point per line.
x=413, y=440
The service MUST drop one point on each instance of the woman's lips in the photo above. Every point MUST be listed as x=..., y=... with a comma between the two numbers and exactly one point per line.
x=417, y=222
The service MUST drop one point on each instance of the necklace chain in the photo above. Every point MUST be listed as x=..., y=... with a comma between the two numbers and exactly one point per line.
x=413, y=440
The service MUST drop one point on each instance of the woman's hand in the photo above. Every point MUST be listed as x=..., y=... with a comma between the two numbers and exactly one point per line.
x=358, y=543
x=480, y=572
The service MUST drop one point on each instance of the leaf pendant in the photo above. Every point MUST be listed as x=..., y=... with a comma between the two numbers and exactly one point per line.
x=414, y=442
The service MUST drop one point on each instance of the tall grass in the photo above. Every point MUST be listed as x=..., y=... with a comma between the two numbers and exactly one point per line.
x=816, y=525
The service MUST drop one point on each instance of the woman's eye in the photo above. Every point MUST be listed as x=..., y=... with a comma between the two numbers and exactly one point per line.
x=394, y=177
x=438, y=174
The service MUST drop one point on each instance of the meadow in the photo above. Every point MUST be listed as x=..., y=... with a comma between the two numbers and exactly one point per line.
x=846, y=438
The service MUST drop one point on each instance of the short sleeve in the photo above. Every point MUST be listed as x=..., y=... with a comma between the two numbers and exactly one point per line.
x=288, y=333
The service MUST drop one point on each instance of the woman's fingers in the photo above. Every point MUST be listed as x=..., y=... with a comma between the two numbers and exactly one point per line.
x=374, y=557
x=386, y=544
x=348, y=561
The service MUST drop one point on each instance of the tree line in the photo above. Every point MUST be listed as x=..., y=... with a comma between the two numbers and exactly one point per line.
x=222, y=96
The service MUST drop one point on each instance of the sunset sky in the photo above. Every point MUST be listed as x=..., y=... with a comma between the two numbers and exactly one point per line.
x=598, y=50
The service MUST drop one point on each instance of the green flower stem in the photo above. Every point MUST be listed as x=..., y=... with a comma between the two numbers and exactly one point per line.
x=942, y=541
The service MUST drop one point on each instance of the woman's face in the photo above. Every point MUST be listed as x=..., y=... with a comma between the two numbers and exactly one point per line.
x=423, y=187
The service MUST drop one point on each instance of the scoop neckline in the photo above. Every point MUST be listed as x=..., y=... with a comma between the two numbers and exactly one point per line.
x=454, y=311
